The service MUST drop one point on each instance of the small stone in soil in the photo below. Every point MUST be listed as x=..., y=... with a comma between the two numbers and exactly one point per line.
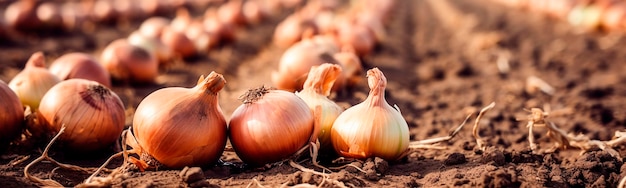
x=191, y=175
x=455, y=159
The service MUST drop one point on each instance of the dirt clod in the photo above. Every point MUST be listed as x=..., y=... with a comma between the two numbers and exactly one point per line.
x=494, y=156
x=191, y=175
x=455, y=159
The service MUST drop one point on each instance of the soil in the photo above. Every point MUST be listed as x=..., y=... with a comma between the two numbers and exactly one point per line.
x=440, y=60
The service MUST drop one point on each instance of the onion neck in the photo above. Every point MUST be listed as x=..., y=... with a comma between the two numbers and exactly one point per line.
x=254, y=95
x=36, y=60
x=321, y=79
x=212, y=84
x=377, y=83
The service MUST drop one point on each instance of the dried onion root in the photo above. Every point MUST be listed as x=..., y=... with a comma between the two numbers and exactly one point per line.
x=44, y=156
x=565, y=140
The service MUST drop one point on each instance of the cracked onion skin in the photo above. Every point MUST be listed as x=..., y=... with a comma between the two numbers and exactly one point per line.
x=93, y=115
x=182, y=126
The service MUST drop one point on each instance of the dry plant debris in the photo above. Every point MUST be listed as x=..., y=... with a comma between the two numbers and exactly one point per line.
x=564, y=140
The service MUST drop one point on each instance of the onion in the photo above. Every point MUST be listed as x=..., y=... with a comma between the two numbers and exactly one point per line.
x=350, y=33
x=80, y=65
x=74, y=15
x=613, y=17
x=181, y=21
x=34, y=81
x=351, y=68
x=252, y=12
x=371, y=128
x=50, y=15
x=11, y=115
x=153, y=26
x=180, y=44
x=315, y=92
x=127, y=62
x=291, y=30
x=21, y=15
x=153, y=45
x=296, y=62
x=92, y=114
x=182, y=126
x=586, y=17
x=269, y=126
x=203, y=40
x=212, y=24
x=231, y=13
x=104, y=11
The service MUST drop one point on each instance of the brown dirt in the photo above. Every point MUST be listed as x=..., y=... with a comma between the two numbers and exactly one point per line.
x=440, y=64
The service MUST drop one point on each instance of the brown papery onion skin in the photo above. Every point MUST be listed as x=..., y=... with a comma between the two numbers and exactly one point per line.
x=182, y=126
x=93, y=115
x=127, y=62
x=270, y=126
x=32, y=83
x=11, y=115
x=80, y=65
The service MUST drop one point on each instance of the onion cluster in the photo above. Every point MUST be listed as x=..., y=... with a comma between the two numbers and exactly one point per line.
x=31, y=15
x=607, y=15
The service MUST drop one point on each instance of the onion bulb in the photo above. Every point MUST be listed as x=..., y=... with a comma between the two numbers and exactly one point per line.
x=371, y=128
x=22, y=15
x=351, y=68
x=291, y=29
x=269, y=126
x=34, y=81
x=153, y=45
x=360, y=37
x=180, y=44
x=80, y=65
x=231, y=13
x=296, y=62
x=128, y=62
x=93, y=115
x=11, y=115
x=182, y=126
x=153, y=26
x=315, y=92
x=50, y=15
